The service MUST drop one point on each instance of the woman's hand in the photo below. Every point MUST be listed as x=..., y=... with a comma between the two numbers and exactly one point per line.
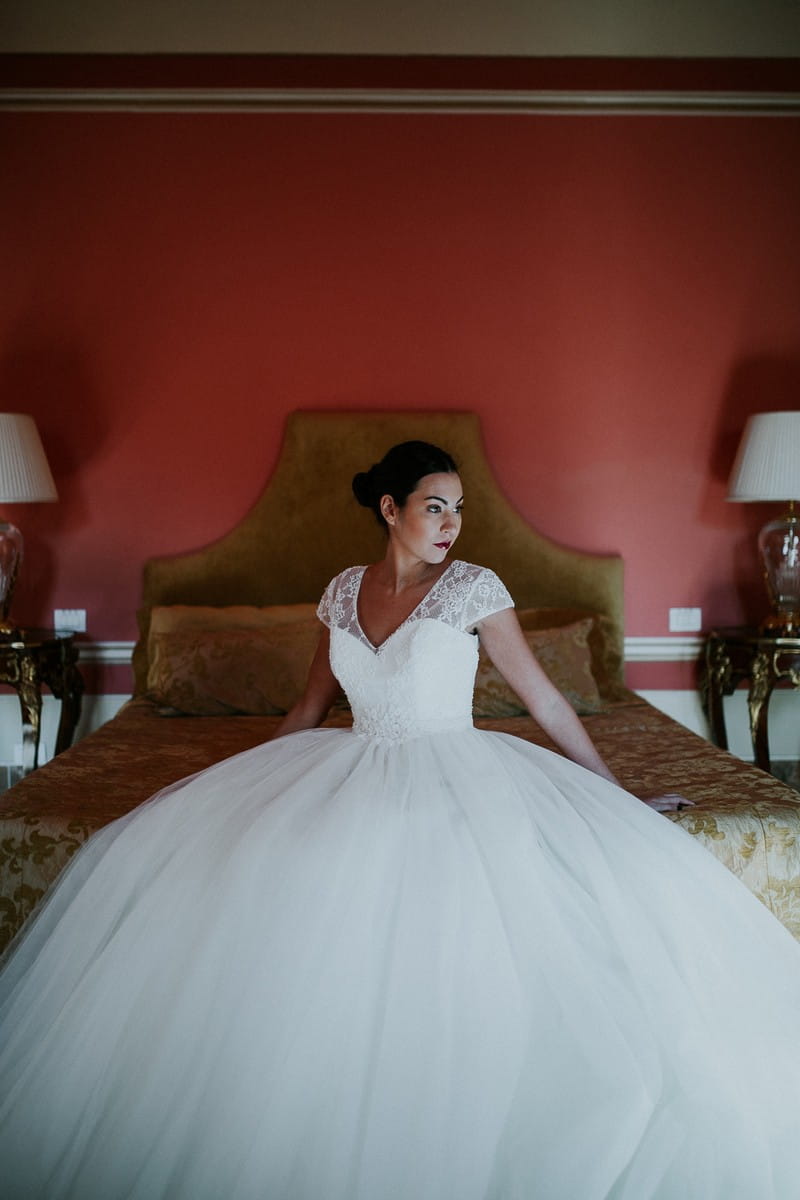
x=668, y=802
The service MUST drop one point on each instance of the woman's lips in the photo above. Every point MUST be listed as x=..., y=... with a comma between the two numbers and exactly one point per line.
x=442, y=545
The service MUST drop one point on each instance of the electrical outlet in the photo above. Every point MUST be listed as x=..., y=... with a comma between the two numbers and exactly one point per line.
x=685, y=620
x=73, y=619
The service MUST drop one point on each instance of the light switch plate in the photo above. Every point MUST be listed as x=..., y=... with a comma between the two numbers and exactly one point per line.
x=685, y=620
x=73, y=619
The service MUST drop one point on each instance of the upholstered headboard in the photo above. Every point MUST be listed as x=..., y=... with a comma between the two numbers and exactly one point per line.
x=306, y=526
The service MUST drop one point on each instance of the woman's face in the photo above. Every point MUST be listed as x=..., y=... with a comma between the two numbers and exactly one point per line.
x=430, y=520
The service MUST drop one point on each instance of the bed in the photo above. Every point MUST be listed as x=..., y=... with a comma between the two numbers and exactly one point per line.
x=226, y=633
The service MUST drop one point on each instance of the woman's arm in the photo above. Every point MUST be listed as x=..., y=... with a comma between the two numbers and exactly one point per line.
x=505, y=644
x=322, y=688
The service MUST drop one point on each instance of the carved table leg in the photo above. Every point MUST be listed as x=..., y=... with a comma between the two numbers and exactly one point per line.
x=30, y=702
x=761, y=686
x=71, y=695
x=716, y=681
x=66, y=683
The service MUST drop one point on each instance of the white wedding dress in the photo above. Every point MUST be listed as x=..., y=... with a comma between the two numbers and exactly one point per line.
x=411, y=961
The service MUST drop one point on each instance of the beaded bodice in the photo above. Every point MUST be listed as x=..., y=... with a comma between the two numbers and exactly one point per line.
x=419, y=681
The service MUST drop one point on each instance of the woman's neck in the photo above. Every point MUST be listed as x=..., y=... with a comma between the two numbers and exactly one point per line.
x=399, y=573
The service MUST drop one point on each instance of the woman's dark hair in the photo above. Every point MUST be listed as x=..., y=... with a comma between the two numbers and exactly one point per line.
x=398, y=473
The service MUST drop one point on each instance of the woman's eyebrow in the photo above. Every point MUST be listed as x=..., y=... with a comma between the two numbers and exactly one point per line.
x=442, y=501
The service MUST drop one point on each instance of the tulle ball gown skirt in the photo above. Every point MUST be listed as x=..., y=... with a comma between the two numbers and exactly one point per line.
x=453, y=968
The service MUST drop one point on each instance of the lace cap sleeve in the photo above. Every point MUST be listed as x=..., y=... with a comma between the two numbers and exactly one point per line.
x=325, y=606
x=487, y=595
x=338, y=604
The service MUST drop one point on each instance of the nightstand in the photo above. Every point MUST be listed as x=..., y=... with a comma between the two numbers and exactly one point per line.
x=735, y=654
x=30, y=658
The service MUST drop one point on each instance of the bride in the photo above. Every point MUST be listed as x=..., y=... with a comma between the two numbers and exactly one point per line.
x=408, y=961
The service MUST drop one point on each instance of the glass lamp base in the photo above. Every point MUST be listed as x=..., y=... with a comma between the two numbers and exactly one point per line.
x=779, y=543
x=11, y=545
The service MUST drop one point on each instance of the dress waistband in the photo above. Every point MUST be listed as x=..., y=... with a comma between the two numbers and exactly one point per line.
x=387, y=731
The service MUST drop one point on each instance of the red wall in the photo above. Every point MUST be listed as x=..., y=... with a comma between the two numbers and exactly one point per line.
x=613, y=296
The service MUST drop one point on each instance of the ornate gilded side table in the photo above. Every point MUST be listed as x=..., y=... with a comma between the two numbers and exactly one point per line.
x=765, y=660
x=30, y=658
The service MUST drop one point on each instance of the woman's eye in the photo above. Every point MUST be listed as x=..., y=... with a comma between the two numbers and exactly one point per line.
x=434, y=508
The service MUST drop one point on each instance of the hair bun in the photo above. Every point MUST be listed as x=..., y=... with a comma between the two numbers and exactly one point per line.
x=398, y=473
x=362, y=487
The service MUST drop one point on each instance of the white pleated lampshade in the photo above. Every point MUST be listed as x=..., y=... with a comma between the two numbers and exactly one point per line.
x=24, y=472
x=767, y=466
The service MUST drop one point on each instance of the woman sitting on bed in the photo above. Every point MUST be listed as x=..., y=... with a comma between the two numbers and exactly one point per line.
x=408, y=961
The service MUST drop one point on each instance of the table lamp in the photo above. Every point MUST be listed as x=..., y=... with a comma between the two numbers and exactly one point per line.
x=24, y=479
x=767, y=468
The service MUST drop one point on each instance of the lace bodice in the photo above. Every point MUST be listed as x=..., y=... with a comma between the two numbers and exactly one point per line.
x=420, y=680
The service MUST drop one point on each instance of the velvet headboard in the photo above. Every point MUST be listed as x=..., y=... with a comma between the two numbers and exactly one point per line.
x=306, y=526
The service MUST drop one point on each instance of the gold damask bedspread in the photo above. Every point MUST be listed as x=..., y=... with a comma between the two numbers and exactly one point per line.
x=749, y=820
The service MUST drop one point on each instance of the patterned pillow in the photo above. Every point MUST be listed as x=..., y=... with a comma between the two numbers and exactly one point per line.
x=603, y=639
x=169, y=618
x=212, y=662
x=564, y=655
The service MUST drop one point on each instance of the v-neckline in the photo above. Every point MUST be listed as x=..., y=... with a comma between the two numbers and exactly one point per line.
x=405, y=621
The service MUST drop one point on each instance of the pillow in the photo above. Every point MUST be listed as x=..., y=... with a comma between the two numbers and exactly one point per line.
x=238, y=659
x=167, y=618
x=565, y=657
x=607, y=664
